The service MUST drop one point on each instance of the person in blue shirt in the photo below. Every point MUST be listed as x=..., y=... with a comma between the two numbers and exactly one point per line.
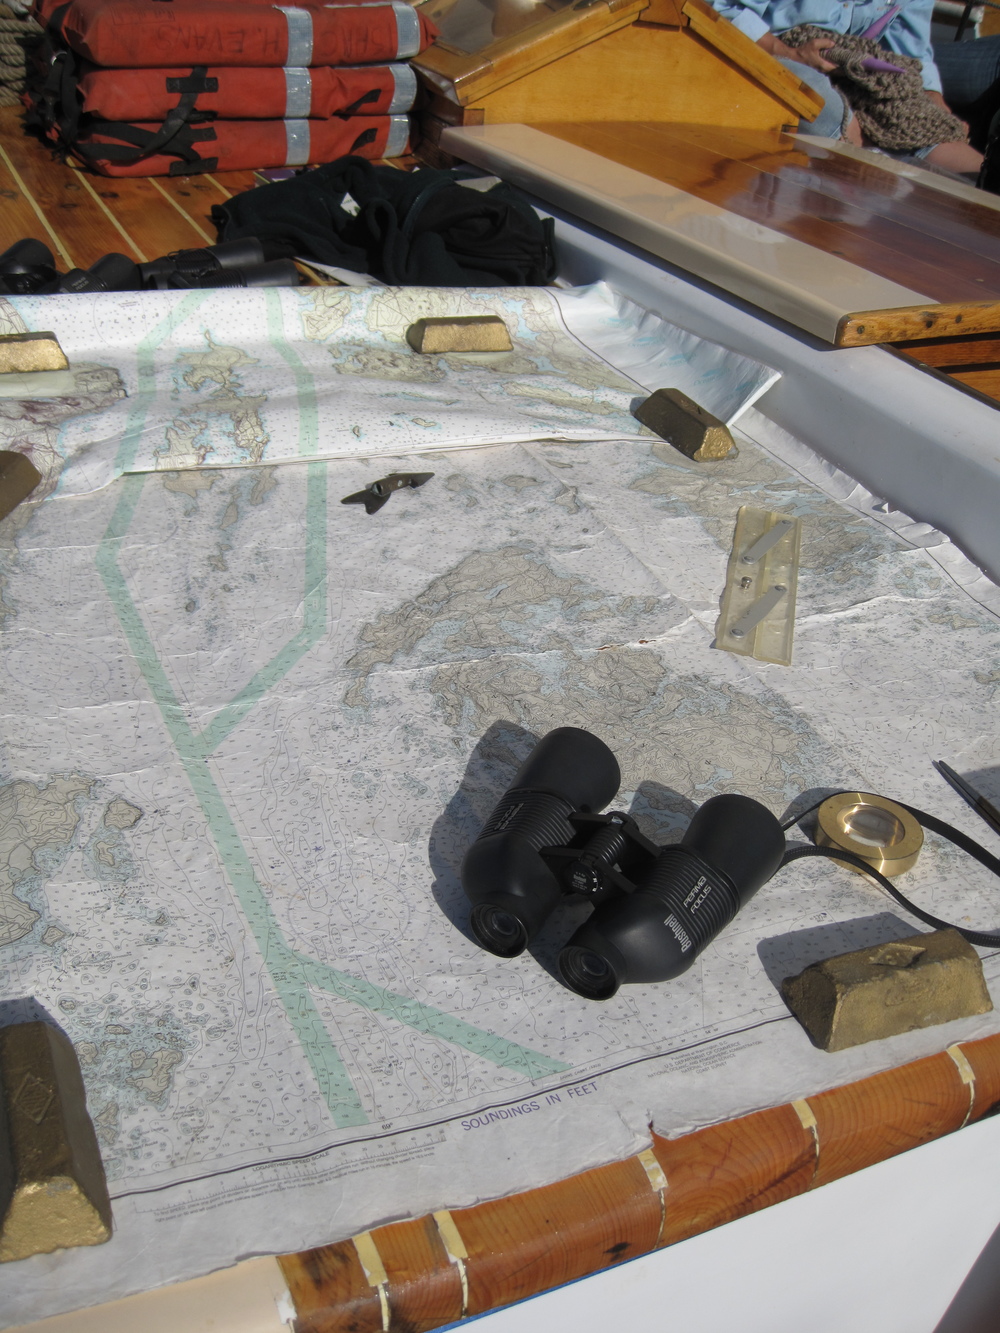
x=904, y=27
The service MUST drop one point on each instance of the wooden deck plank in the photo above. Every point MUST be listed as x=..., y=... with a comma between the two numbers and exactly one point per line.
x=902, y=324
x=229, y=182
x=150, y=215
x=786, y=205
x=22, y=216
x=189, y=200
x=982, y=350
x=960, y=220
x=82, y=216
x=73, y=211
x=194, y=197
x=984, y=378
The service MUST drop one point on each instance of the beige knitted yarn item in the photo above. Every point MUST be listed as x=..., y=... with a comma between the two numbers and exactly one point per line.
x=892, y=109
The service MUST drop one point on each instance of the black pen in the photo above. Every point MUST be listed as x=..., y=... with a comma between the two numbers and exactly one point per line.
x=984, y=808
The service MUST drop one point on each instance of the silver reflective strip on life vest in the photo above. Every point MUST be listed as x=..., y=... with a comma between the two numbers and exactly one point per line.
x=407, y=30
x=300, y=35
x=298, y=93
x=296, y=143
x=398, y=137
x=404, y=88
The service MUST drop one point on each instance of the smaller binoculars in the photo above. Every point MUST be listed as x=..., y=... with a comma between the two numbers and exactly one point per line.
x=241, y=263
x=28, y=269
x=655, y=908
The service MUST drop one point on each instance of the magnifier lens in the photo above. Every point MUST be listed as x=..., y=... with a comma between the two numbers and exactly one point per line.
x=872, y=826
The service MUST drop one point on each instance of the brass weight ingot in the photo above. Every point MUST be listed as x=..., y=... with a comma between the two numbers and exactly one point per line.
x=18, y=478
x=888, y=989
x=685, y=424
x=25, y=353
x=53, y=1192
x=459, y=333
x=872, y=827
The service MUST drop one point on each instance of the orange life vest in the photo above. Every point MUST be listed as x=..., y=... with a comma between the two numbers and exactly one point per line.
x=126, y=34
x=235, y=145
x=42, y=10
x=244, y=94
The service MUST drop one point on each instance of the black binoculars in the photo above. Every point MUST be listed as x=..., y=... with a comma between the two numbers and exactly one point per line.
x=239, y=263
x=656, y=908
x=28, y=269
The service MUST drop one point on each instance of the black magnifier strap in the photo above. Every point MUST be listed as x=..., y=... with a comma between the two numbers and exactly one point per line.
x=953, y=835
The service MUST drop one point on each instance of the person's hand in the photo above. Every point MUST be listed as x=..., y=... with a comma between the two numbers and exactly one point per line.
x=810, y=53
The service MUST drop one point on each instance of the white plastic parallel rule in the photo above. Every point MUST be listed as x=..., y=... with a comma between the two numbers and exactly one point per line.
x=758, y=604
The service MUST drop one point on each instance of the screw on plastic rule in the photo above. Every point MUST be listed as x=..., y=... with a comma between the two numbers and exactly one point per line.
x=758, y=605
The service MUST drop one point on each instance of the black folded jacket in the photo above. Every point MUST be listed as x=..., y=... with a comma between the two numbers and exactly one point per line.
x=410, y=227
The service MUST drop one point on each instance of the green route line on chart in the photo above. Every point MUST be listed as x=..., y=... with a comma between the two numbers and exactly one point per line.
x=146, y=376
x=292, y=973
x=314, y=596
x=411, y=1013
x=334, y=1081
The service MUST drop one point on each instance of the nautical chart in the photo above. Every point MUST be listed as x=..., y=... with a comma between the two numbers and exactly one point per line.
x=248, y=733
x=223, y=379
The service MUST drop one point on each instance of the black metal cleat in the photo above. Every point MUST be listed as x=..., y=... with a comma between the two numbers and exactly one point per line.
x=373, y=497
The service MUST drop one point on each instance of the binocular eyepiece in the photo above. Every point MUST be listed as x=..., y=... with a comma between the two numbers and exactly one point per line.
x=25, y=268
x=656, y=908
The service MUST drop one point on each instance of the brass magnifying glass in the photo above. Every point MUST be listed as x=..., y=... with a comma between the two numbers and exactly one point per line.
x=872, y=827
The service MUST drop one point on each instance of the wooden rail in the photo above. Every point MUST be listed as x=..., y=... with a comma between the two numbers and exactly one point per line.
x=962, y=319
x=414, y=1276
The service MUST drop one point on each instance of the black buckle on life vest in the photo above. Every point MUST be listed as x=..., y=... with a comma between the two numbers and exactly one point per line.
x=194, y=82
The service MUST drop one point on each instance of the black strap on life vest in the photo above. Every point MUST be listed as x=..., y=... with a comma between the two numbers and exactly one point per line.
x=54, y=24
x=174, y=138
x=50, y=84
x=56, y=105
x=364, y=138
x=371, y=96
